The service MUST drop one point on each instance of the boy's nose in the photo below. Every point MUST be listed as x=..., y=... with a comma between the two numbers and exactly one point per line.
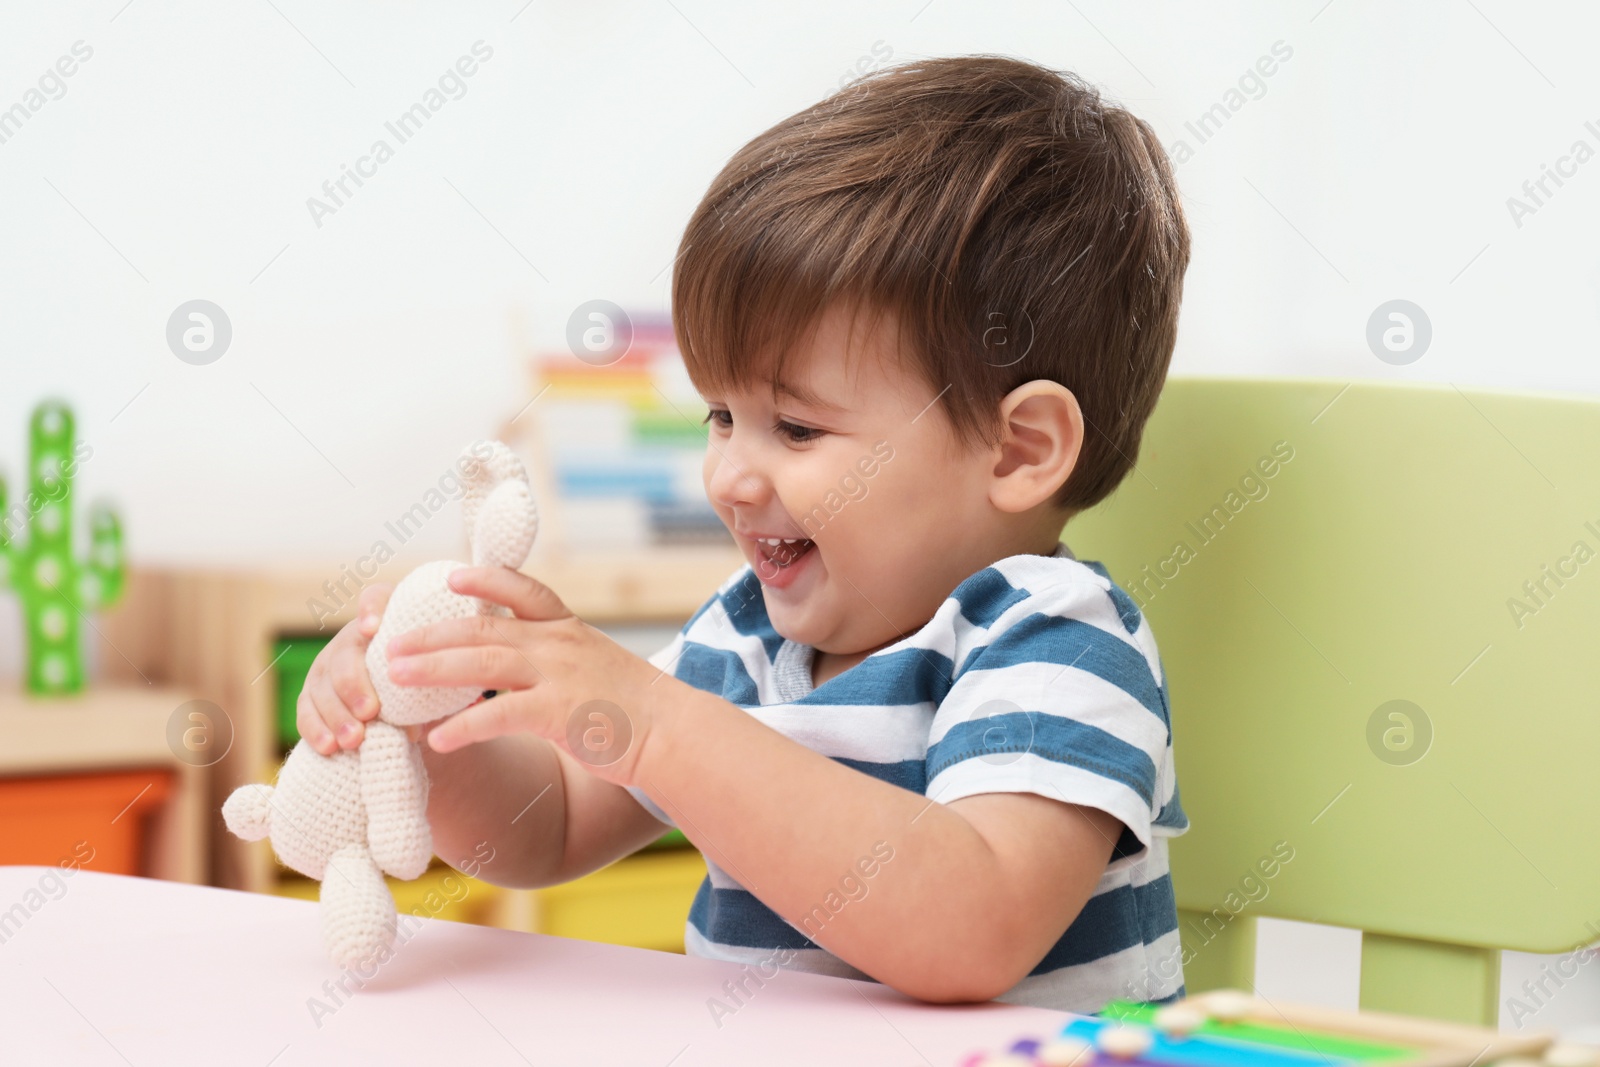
x=733, y=480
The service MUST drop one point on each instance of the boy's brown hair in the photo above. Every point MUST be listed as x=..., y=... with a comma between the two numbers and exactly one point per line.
x=1019, y=228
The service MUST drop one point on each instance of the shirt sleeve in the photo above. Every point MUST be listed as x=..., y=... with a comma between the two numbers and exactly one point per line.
x=663, y=660
x=1063, y=702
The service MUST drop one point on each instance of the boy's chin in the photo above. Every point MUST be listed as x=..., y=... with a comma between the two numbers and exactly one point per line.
x=790, y=624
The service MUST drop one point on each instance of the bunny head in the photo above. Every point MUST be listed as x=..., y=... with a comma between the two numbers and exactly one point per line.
x=501, y=520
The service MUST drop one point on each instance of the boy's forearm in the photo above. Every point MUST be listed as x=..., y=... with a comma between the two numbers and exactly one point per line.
x=503, y=798
x=730, y=781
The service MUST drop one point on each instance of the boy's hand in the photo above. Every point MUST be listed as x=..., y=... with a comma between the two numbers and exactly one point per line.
x=556, y=676
x=338, y=697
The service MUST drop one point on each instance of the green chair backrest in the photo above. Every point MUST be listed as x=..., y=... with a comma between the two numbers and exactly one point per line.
x=1378, y=612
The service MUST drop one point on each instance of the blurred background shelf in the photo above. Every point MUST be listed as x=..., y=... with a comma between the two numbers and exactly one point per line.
x=613, y=439
x=101, y=767
x=613, y=447
x=243, y=639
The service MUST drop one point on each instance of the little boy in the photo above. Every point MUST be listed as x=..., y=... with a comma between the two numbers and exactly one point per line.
x=916, y=739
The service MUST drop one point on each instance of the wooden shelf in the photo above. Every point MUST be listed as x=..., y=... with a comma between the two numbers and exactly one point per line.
x=107, y=728
x=211, y=632
x=661, y=585
x=655, y=586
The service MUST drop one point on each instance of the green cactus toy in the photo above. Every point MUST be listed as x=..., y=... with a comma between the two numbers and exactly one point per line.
x=56, y=590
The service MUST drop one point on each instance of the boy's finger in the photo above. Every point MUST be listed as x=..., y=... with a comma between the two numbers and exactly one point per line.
x=487, y=719
x=482, y=667
x=356, y=693
x=370, y=605
x=467, y=632
x=344, y=727
x=310, y=725
x=525, y=596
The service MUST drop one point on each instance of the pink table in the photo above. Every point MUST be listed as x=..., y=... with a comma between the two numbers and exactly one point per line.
x=119, y=970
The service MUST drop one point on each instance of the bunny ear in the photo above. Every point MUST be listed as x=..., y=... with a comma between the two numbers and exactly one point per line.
x=497, y=506
x=507, y=522
x=484, y=465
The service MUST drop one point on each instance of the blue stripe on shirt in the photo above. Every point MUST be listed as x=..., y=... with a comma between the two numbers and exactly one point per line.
x=1041, y=638
x=906, y=676
x=1126, y=608
x=985, y=596
x=1112, y=922
x=738, y=919
x=1048, y=736
x=1171, y=815
x=907, y=774
x=747, y=611
x=715, y=670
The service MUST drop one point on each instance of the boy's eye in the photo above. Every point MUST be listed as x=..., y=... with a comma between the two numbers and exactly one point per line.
x=798, y=434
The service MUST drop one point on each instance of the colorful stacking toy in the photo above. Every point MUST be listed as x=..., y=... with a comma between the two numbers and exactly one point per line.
x=1226, y=1028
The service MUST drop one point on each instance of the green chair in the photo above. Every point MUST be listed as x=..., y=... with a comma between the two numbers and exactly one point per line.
x=1382, y=655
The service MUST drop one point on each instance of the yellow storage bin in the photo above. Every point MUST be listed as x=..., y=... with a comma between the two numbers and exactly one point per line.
x=441, y=893
x=642, y=900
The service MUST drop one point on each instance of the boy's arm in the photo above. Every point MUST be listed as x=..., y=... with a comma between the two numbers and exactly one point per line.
x=572, y=822
x=545, y=819
x=998, y=876
x=977, y=890
x=972, y=896
x=603, y=823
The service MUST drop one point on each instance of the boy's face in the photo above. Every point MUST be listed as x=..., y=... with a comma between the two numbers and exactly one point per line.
x=890, y=513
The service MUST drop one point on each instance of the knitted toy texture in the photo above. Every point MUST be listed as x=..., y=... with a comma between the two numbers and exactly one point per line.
x=348, y=819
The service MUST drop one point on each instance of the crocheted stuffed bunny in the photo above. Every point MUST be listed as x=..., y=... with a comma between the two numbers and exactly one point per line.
x=348, y=819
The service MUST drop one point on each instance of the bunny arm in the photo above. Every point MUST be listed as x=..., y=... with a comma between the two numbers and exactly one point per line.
x=394, y=790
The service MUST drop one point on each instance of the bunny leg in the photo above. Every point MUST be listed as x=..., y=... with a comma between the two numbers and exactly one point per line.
x=358, y=916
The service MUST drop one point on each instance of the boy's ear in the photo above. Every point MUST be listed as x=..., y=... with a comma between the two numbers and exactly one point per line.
x=1041, y=438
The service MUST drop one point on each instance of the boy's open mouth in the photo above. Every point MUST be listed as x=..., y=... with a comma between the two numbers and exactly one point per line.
x=781, y=552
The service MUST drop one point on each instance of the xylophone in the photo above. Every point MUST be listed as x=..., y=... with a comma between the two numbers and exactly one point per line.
x=1227, y=1028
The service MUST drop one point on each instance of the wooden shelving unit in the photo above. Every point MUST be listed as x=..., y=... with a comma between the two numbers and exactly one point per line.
x=211, y=632
x=114, y=727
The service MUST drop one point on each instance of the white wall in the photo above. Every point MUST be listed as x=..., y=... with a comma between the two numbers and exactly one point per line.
x=1375, y=164
x=372, y=347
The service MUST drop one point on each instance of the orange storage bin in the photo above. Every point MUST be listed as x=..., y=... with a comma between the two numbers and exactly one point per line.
x=93, y=821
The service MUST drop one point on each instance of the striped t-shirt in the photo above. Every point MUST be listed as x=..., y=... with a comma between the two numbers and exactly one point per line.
x=1037, y=674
